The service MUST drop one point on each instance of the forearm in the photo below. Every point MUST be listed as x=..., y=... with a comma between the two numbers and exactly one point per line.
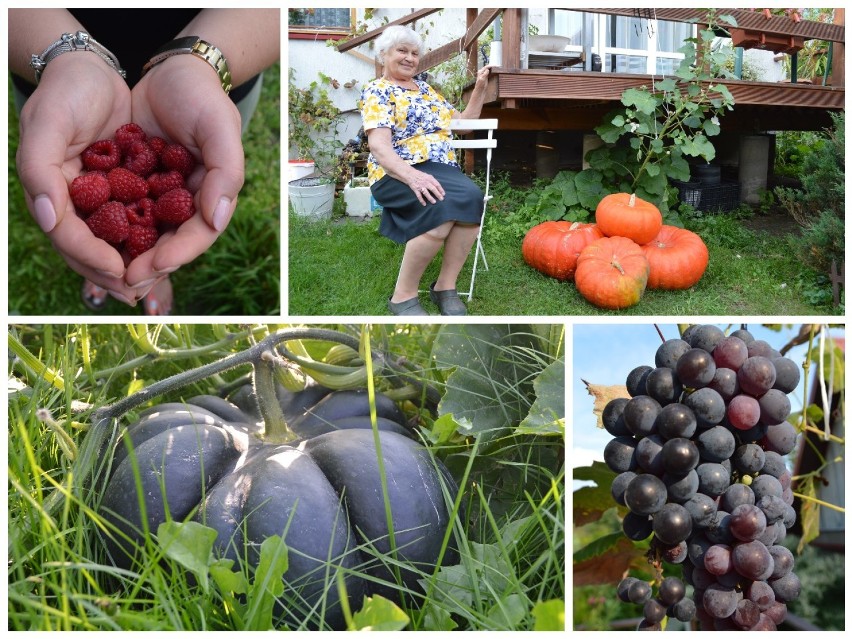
x=393, y=165
x=32, y=31
x=249, y=38
x=474, y=105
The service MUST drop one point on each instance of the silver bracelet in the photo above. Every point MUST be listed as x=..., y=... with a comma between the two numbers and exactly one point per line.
x=80, y=41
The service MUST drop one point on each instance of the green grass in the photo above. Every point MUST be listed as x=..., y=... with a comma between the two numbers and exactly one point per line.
x=238, y=275
x=347, y=268
x=511, y=531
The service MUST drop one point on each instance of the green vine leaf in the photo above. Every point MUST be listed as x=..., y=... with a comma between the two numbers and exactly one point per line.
x=547, y=414
x=492, y=373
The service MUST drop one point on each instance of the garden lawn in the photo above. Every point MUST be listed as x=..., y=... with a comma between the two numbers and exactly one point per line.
x=347, y=268
x=238, y=275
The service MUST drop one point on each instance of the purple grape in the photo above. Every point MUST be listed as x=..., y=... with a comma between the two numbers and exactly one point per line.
x=620, y=454
x=672, y=524
x=670, y=352
x=645, y=494
x=720, y=602
x=663, y=385
x=613, y=418
x=639, y=415
x=636, y=380
x=757, y=375
x=787, y=374
x=784, y=561
x=730, y=352
x=786, y=588
x=704, y=336
x=707, y=405
x=717, y=559
x=747, y=522
x=679, y=456
x=671, y=590
x=752, y=560
x=696, y=368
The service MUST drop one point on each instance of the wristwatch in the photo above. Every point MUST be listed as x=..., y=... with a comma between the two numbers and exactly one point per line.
x=197, y=47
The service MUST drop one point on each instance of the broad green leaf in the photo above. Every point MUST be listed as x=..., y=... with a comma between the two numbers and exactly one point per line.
x=267, y=584
x=832, y=367
x=438, y=619
x=666, y=85
x=489, y=386
x=641, y=99
x=598, y=546
x=379, y=614
x=509, y=611
x=547, y=414
x=453, y=589
x=590, y=188
x=652, y=169
x=711, y=128
x=227, y=579
x=598, y=472
x=443, y=429
x=618, y=120
x=590, y=503
x=569, y=193
x=190, y=544
x=549, y=615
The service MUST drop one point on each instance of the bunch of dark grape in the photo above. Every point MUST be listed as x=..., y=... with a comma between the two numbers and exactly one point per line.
x=699, y=451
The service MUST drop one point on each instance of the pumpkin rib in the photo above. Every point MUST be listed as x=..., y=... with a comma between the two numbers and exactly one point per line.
x=678, y=259
x=553, y=247
x=625, y=215
x=612, y=273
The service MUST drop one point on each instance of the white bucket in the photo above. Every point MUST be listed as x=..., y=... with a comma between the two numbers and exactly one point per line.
x=312, y=197
x=299, y=169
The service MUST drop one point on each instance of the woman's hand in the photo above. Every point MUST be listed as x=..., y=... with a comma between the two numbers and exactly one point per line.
x=425, y=187
x=482, y=78
x=78, y=101
x=181, y=100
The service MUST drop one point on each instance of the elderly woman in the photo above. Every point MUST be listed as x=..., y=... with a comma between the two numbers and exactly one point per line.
x=428, y=202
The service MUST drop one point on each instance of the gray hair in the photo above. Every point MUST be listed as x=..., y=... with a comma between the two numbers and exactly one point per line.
x=392, y=36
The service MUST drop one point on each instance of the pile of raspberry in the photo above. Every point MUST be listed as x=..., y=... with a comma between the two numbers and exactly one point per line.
x=133, y=189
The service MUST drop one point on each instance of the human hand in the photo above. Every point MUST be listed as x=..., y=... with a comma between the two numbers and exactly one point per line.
x=181, y=100
x=78, y=101
x=425, y=187
x=482, y=77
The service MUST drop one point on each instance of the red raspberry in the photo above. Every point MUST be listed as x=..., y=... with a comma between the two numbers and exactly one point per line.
x=140, y=159
x=176, y=157
x=175, y=207
x=140, y=239
x=127, y=134
x=141, y=213
x=125, y=186
x=102, y=155
x=89, y=191
x=157, y=145
x=160, y=183
x=109, y=223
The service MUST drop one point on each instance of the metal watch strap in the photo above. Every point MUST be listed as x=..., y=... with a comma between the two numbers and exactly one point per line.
x=199, y=48
x=79, y=41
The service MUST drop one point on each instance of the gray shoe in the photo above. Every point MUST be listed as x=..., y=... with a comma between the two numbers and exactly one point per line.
x=448, y=301
x=406, y=307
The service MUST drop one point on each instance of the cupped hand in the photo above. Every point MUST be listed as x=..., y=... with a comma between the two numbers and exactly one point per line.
x=78, y=101
x=181, y=100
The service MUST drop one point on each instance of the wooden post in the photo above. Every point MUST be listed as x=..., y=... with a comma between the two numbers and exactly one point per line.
x=838, y=61
x=512, y=38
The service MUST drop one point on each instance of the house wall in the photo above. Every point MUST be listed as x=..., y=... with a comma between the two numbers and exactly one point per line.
x=310, y=57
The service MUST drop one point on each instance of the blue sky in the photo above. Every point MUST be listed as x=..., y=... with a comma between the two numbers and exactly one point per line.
x=606, y=353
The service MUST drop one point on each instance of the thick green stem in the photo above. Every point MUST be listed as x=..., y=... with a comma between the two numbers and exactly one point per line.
x=275, y=428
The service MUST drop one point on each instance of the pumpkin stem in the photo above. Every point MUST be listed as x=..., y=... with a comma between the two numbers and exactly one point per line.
x=616, y=264
x=275, y=428
x=632, y=201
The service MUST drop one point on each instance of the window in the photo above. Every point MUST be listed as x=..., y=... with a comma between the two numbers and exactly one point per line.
x=320, y=20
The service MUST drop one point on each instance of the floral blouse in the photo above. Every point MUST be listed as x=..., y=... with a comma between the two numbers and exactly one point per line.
x=419, y=121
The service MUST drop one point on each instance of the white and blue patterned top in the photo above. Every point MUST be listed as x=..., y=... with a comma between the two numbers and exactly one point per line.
x=419, y=121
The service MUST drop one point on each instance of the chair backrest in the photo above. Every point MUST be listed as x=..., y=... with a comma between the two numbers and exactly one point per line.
x=487, y=124
x=489, y=143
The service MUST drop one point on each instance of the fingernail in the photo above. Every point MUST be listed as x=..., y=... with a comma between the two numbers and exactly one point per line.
x=109, y=273
x=166, y=270
x=222, y=214
x=144, y=284
x=143, y=291
x=45, y=214
x=123, y=299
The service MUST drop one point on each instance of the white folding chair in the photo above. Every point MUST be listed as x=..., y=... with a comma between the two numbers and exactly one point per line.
x=488, y=143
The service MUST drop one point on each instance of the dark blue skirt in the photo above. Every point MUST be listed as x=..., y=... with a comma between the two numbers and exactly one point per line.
x=404, y=217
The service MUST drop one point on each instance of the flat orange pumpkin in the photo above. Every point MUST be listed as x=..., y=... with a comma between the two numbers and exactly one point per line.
x=553, y=247
x=625, y=215
x=678, y=258
x=612, y=272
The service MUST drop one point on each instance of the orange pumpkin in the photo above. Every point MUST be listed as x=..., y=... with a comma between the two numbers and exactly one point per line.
x=612, y=272
x=625, y=215
x=678, y=258
x=553, y=247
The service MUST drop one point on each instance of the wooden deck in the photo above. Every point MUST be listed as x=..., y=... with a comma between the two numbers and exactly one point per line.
x=535, y=99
